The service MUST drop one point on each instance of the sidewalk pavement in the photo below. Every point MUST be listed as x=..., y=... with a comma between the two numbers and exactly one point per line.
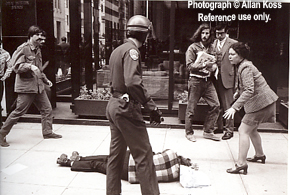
x=29, y=166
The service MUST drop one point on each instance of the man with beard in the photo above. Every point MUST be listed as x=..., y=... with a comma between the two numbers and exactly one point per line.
x=200, y=84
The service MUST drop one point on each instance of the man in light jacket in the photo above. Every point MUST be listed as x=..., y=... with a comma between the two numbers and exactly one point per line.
x=30, y=84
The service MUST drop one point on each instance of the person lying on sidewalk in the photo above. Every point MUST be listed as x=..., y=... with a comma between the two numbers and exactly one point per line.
x=166, y=163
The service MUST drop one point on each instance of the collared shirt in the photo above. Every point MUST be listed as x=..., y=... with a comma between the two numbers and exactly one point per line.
x=4, y=62
x=221, y=43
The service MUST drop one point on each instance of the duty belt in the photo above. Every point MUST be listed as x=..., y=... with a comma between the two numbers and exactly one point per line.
x=123, y=96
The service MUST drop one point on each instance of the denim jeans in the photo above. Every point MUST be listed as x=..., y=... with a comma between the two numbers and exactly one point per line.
x=197, y=88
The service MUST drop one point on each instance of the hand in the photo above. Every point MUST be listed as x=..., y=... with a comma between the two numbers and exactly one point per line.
x=195, y=166
x=229, y=113
x=155, y=117
x=209, y=64
x=49, y=83
x=36, y=71
x=214, y=67
x=5, y=76
x=34, y=68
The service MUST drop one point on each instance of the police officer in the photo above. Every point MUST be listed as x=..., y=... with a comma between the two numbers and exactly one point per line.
x=124, y=111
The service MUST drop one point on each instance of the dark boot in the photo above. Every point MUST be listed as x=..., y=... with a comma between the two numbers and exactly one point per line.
x=3, y=142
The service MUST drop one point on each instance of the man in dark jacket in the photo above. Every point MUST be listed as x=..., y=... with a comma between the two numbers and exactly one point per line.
x=124, y=111
x=225, y=80
x=167, y=165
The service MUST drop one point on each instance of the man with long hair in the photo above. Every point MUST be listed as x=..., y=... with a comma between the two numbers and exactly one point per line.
x=200, y=84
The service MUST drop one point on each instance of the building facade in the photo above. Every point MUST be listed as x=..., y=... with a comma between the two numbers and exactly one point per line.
x=95, y=27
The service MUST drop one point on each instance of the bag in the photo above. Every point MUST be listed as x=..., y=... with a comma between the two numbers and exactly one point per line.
x=166, y=165
x=190, y=178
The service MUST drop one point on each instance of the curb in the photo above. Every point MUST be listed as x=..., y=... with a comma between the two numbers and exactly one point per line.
x=103, y=122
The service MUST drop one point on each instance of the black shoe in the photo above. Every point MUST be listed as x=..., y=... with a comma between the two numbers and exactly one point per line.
x=243, y=168
x=52, y=135
x=217, y=131
x=228, y=135
x=256, y=158
x=3, y=142
x=75, y=156
x=63, y=160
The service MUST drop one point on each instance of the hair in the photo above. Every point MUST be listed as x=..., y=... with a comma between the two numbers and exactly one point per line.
x=63, y=38
x=221, y=26
x=242, y=49
x=196, y=37
x=139, y=35
x=43, y=33
x=33, y=30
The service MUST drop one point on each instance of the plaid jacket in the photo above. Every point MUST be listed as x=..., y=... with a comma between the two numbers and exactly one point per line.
x=255, y=93
x=166, y=164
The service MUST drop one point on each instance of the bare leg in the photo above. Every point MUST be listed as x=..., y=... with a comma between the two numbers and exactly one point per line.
x=257, y=142
x=244, y=142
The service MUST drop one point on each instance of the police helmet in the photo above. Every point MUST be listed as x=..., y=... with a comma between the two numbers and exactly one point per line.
x=139, y=23
x=138, y=27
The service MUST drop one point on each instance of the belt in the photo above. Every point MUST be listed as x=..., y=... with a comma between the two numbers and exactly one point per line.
x=119, y=95
x=206, y=78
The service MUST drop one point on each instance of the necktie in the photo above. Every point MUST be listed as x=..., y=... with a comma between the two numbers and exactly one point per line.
x=219, y=46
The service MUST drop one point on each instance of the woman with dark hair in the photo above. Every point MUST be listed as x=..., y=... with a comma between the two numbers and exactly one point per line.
x=258, y=99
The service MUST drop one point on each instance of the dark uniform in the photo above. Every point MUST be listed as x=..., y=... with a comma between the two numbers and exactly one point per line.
x=126, y=121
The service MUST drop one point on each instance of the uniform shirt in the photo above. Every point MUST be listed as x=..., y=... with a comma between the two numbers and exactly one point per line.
x=5, y=62
x=196, y=69
x=126, y=74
